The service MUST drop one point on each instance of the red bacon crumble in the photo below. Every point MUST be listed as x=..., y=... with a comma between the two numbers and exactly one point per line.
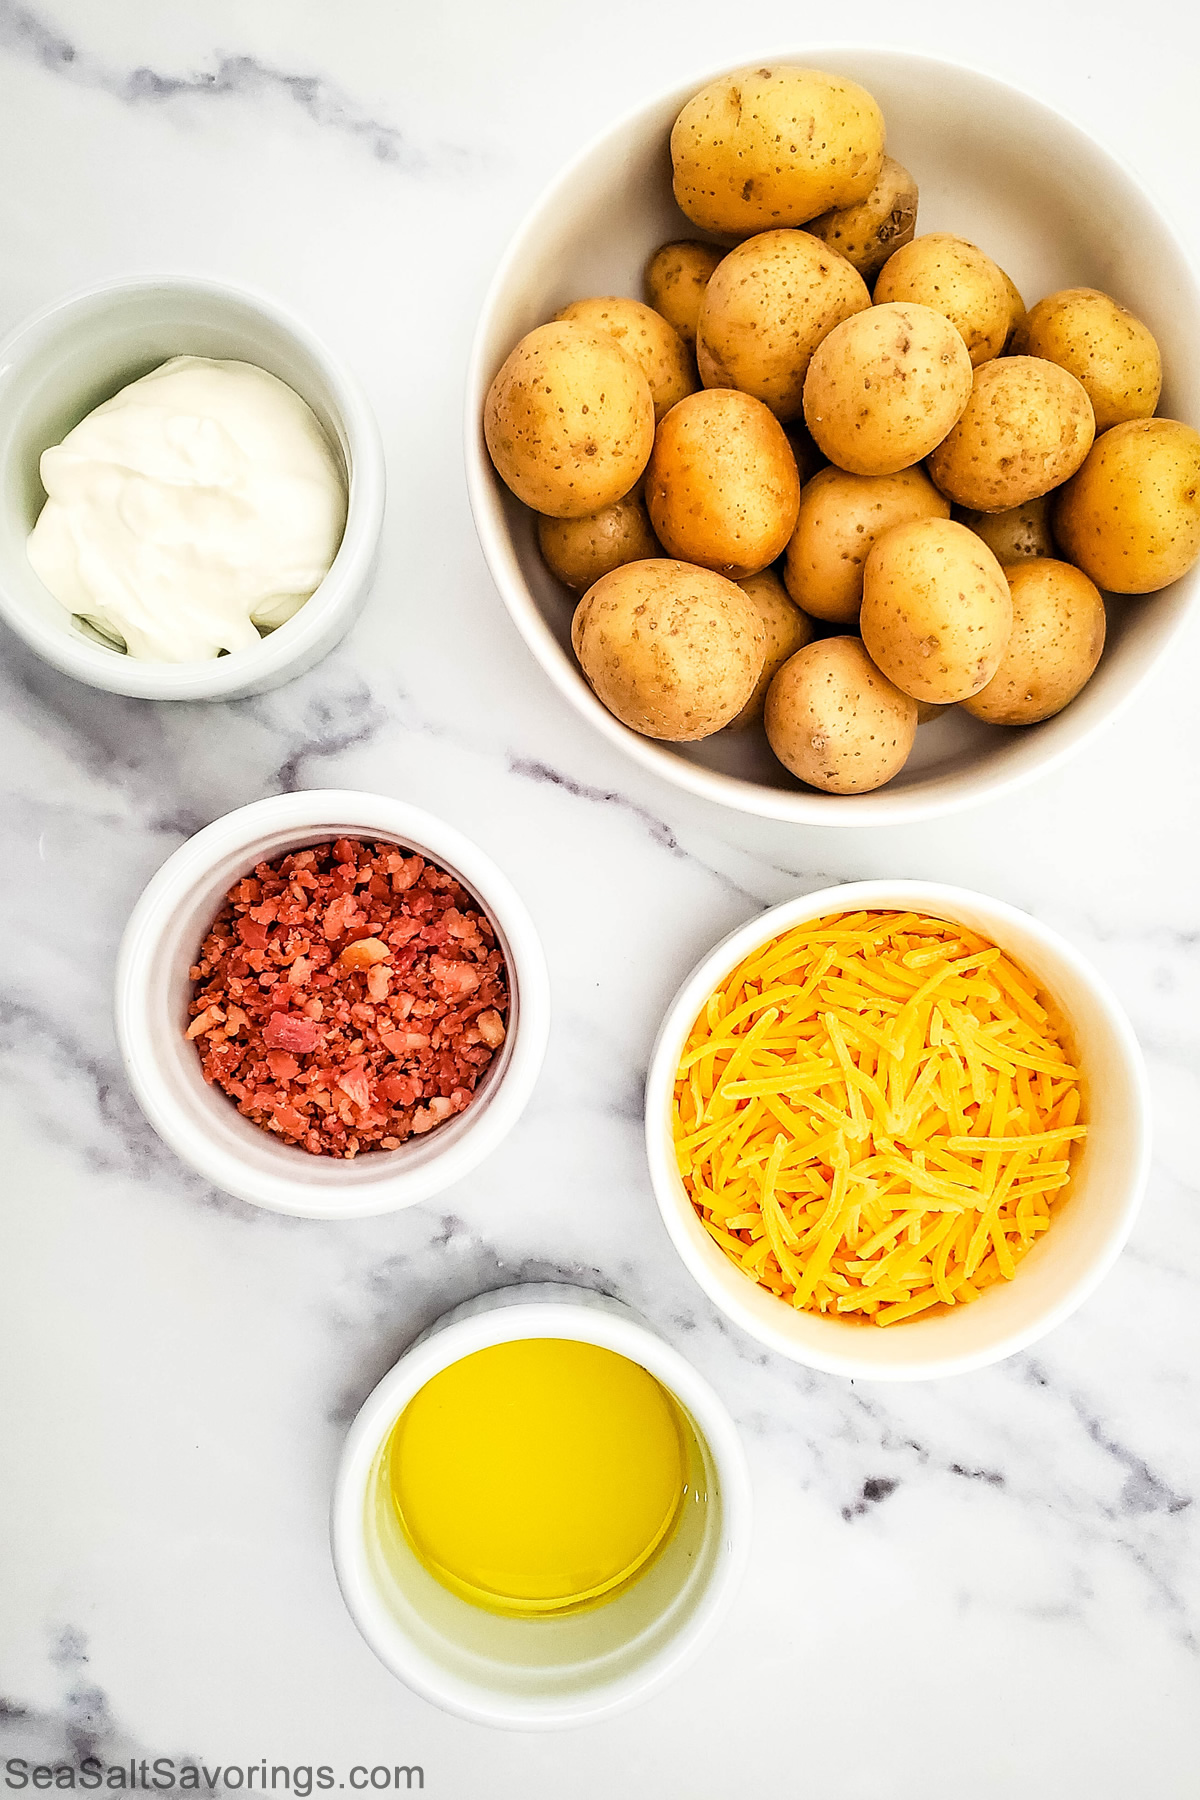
x=348, y=996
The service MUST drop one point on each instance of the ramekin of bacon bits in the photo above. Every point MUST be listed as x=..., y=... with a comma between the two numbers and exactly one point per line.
x=331, y=1004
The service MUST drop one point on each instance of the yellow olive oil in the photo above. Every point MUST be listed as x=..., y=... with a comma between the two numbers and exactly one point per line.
x=538, y=1477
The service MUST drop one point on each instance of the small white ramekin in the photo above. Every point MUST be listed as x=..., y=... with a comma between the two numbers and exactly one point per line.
x=1061, y=1270
x=60, y=364
x=201, y=1124
x=539, y=1674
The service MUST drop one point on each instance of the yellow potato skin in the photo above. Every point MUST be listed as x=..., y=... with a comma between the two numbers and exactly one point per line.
x=840, y=517
x=765, y=310
x=654, y=345
x=1104, y=345
x=676, y=277
x=937, y=611
x=721, y=485
x=884, y=388
x=867, y=233
x=1056, y=640
x=580, y=551
x=835, y=721
x=1026, y=429
x=1019, y=532
x=569, y=420
x=1016, y=316
x=787, y=630
x=774, y=145
x=671, y=650
x=1131, y=517
x=957, y=279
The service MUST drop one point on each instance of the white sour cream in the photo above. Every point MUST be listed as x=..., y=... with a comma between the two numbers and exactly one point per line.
x=197, y=507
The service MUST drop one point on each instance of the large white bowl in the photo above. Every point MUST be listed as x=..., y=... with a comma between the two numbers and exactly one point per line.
x=993, y=165
x=59, y=365
x=200, y=1123
x=1092, y=1220
x=538, y=1674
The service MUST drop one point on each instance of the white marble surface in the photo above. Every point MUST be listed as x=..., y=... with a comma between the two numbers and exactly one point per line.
x=987, y=1587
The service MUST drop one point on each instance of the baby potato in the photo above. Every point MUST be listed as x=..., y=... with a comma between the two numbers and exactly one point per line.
x=1027, y=426
x=1104, y=345
x=835, y=721
x=1131, y=517
x=569, y=421
x=1019, y=532
x=673, y=651
x=1016, y=317
x=774, y=146
x=676, y=277
x=765, y=310
x=867, y=233
x=840, y=517
x=884, y=388
x=936, y=610
x=580, y=551
x=1056, y=639
x=721, y=485
x=957, y=279
x=654, y=345
x=787, y=628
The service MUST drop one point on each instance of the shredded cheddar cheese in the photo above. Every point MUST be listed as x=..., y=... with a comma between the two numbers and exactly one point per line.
x=875, y=1115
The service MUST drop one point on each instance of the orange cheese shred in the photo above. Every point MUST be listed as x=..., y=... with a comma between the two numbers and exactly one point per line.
x=876, y=1114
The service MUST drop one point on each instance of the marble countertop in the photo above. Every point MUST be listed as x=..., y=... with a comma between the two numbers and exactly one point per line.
x=987, y=1586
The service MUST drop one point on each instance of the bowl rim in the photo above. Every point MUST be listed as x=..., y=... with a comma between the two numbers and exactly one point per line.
x=801, y=806
x=296, y=642
x=366, y=814
x=688, y=1237
x=529, y=1310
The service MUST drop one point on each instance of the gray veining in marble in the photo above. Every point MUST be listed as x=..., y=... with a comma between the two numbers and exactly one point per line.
x=988, y=1586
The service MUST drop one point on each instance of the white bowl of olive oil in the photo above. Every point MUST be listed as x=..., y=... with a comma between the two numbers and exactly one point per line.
x=541, y=1512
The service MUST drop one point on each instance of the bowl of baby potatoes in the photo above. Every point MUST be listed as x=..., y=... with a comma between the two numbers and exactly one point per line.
x=831, y=436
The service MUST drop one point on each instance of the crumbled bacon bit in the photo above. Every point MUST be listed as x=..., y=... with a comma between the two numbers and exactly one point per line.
x=363, y=952
x=284, y=1031
x=348, y=996
x=354, y=1083
x=205, y=1021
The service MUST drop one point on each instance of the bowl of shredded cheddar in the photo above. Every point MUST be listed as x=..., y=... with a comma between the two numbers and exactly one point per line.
x=896, y=1129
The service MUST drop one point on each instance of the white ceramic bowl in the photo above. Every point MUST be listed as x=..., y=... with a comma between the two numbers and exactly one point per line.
x=995, y=166
x=1090, y=1226
x=59, y=365
x=201, y=1124
x=538, y=1674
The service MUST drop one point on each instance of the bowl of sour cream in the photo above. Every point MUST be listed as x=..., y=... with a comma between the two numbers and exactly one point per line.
x=191, y=490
